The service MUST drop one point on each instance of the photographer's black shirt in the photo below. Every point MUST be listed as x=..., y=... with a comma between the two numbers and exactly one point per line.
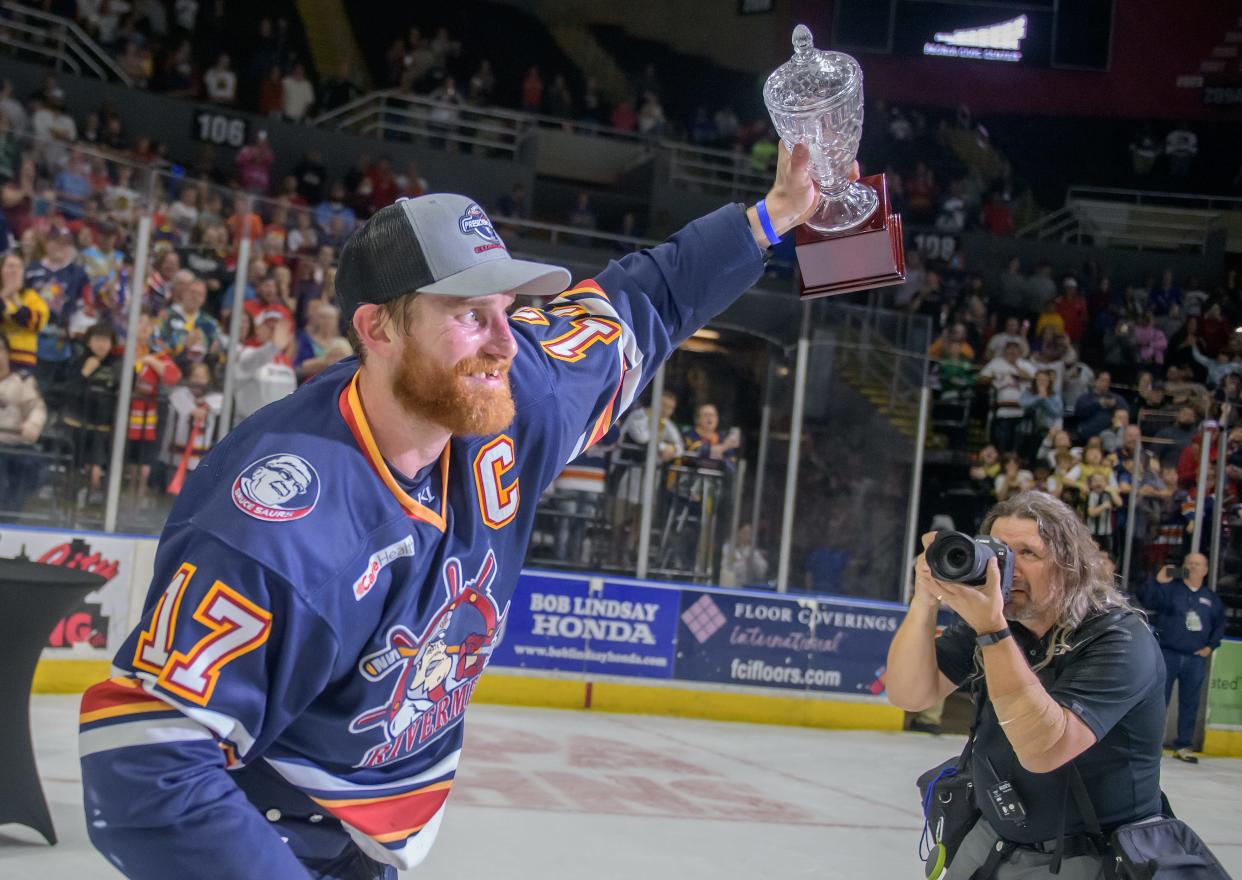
x=1112, y=678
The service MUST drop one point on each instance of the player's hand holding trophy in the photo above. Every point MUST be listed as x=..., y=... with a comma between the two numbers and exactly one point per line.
x=853, y=241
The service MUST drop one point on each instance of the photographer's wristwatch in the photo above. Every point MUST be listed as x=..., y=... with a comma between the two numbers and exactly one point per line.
x=992, y=638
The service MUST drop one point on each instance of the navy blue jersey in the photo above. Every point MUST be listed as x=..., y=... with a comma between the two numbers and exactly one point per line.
x=316, y=628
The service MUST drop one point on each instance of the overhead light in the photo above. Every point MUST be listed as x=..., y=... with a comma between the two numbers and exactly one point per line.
x=708, y=333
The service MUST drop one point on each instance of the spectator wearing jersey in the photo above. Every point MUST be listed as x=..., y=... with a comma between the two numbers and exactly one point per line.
x=1190, y=624
x=22, y=417
x=63, y=284
x=155, y=368
x=25, y=314
x=189, y=334
x=1008, y=375
x=104, y=261
x=703, y=440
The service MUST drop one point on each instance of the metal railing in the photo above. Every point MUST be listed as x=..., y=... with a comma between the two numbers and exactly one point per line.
x=1133, y=219
x=723, y=172
x=392, y=115
x=388, y=113
x=1157, y=199
x=395, y=102
x=25, y=30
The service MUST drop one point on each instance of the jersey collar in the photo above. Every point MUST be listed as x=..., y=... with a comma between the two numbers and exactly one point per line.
x=351, y=410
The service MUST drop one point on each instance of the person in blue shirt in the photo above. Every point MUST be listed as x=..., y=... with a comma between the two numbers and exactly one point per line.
x=1190, y=622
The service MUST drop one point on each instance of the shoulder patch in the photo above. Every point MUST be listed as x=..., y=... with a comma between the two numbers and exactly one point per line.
x=277, y=488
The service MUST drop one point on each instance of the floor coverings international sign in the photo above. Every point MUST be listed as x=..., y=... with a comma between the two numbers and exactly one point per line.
x=627, y=628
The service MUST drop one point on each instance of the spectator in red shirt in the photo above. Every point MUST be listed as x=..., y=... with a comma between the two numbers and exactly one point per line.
x=623, y=116
x=1071, y=305
x=266, y=303
x=997, y=216
x=532, y=91
x=384, y=189
x=272, y=93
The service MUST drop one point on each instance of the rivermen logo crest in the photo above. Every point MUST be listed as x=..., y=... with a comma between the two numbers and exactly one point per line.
x=278, y=488
x=475, y=222
x=435, y=671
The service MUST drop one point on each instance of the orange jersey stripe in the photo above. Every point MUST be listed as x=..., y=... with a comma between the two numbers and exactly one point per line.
x=355, y=419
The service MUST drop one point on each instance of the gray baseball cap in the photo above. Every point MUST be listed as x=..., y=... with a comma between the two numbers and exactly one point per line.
x=442, y=243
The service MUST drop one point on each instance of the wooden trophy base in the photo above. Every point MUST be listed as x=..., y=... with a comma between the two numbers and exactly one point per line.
x=872, y=255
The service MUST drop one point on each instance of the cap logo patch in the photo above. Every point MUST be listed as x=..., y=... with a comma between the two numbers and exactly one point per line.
x=475, y=222
x=277, y=488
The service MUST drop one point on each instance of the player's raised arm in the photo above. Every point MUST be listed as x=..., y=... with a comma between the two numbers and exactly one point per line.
x=226, y=654
x=603, y=339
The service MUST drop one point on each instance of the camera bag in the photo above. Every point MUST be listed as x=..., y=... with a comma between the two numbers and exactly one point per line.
x=948, y=797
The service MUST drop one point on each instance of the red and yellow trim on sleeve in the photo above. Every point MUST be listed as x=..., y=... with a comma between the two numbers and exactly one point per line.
x=355, y=417
x=119, y=699
x=391, y=818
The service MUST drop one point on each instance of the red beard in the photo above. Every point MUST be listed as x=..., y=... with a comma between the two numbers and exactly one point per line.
x=443, y=395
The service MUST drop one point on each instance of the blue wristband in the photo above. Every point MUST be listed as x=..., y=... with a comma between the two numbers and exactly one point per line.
x=765, y=222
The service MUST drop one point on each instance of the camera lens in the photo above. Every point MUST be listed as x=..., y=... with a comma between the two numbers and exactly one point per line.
x=958, y=558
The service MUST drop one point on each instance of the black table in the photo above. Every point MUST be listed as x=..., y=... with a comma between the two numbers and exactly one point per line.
x=34, y=597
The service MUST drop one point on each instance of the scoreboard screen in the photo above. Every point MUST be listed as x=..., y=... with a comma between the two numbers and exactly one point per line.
x=1042, y=33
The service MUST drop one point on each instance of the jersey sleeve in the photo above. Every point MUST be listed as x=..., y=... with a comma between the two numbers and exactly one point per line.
x=600, y=343
x=227, y=654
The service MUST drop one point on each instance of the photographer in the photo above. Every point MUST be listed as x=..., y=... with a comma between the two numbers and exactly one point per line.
x=1190, y=623
x=1066, y=671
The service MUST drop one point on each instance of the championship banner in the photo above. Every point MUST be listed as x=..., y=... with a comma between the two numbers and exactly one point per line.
x=1225, y=686
x=94, y=629
x=576, y=624
x=791, y=644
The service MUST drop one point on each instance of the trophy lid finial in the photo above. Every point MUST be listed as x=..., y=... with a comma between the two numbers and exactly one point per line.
x=803, y=43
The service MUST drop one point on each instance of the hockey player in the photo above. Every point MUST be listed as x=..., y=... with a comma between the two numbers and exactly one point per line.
x=334, y=575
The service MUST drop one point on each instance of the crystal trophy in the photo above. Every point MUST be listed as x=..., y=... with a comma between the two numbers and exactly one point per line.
x=853, y=241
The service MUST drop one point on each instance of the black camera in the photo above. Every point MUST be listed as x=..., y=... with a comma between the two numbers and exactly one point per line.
x=958, y=558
